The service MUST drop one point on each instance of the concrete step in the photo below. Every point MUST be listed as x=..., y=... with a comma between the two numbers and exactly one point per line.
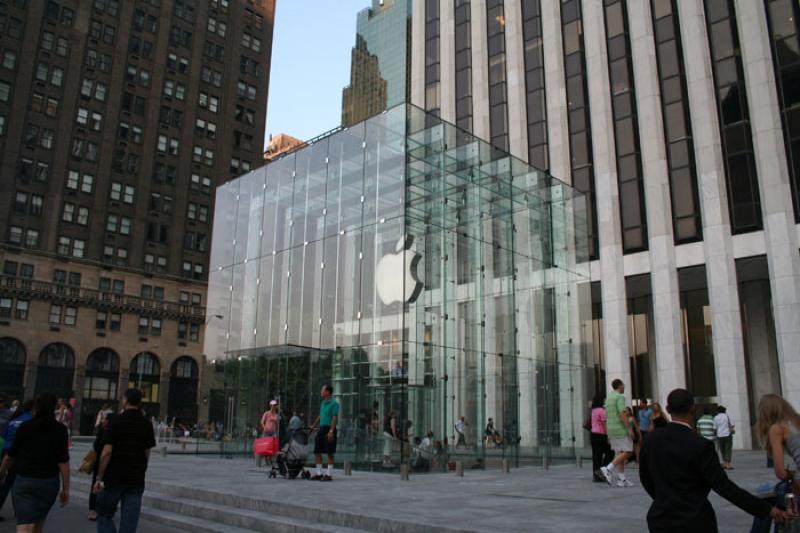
x=178, y=521
x=161, y=507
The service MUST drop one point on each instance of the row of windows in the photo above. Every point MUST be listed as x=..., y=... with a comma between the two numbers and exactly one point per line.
x=38, y=170
x=68, y=315
x=107, y=7
x=677, y=128
x=11, y=26
x=52, y=74
x=57, y=45
x=626, y=128
x=743, y=198
x=498, y=96
x=463, y=40
x=57, y=14
x=102, y=32
x=580, y=137
x=14, y=269
x=20, y=311
x=432, y=64
x=45, y=105
x=27, y=237
x=534, y=84
x=28, y=204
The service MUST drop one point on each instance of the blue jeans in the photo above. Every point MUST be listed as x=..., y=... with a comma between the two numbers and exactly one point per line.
x=130, y=500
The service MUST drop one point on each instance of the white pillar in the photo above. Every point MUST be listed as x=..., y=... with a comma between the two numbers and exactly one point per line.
x=726, y=320
x=663, y=273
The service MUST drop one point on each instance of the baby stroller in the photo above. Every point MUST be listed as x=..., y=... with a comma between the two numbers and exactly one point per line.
x=291, y=459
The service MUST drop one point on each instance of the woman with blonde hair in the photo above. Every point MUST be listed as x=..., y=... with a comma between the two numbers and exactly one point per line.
x=778, y=428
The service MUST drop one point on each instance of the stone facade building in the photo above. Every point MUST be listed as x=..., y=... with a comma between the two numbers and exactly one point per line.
x=117, y=121
x=679, y=120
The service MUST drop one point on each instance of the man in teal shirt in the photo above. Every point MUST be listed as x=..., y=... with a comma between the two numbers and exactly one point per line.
x=325, y=442
x=620, y=435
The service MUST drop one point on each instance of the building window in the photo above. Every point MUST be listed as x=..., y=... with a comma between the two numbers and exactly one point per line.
x=101, y=321
x=116, y=321
x=201, y=183
x=626, y=128
x=783, y=17
x=580, y=143
x=55, y=314
x=744, y=203
x=144, y=325
x=5, y=307
x=9, y=59
x=21, y=311
x=70, y=316
x=687, y=226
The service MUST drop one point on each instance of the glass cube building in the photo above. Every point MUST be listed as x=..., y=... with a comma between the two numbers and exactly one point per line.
x=418, y=270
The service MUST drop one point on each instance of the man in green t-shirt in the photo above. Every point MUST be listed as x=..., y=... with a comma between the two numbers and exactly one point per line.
x=620, y=435
x=325, y=442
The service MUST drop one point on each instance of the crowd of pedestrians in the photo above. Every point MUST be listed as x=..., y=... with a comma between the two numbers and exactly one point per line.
x=35, y=443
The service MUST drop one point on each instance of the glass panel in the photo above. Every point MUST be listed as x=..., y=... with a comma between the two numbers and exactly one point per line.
x=436, y=279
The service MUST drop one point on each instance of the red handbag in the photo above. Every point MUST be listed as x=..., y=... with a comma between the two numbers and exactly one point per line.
x=265, y=446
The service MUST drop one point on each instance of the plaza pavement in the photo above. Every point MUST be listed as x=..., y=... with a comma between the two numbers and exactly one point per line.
x=214, y=494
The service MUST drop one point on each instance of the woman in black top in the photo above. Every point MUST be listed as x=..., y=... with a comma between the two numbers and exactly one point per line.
x=39, y=454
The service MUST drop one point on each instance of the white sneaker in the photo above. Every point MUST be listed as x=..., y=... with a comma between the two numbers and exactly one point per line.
x=624, y=482
x=608, y=474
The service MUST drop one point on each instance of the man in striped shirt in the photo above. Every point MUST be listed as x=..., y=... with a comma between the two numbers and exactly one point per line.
x=705, y=425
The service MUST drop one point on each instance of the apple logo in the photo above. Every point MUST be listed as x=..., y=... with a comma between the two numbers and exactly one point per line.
x=396, y=274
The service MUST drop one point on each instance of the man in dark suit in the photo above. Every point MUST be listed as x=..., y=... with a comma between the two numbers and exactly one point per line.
x=678, y=470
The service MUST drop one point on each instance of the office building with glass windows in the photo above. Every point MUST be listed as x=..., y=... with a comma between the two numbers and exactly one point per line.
x=117, y=120
x=415, y=268
x=680, y=122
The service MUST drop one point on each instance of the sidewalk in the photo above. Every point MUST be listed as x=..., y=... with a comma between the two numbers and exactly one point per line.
x=528, y=499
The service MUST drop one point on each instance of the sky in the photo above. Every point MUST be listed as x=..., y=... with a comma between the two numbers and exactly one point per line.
x=310, y=65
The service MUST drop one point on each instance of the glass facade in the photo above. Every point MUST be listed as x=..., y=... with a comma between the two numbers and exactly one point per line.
x=401, y=261
x=378, y=71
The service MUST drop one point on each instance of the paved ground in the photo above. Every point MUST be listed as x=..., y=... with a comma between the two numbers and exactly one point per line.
x=529, y=499
x=70, y=519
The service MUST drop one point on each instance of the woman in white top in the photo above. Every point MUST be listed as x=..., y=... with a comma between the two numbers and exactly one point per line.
x=724, y=429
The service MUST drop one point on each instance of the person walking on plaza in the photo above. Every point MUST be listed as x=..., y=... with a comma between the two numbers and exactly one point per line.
x=389, y=437
x=270, y=420
x=461, y=428
x=659, y=419
x=601, y=451
x=620, y=435
x=645, y=415
x=724, y=429
x=97, y=446
x=21, y=415
x=679, y=468
x=39, y=454
x=5, y=413
x=325, y=443
x=705, y=425
x=123, y=462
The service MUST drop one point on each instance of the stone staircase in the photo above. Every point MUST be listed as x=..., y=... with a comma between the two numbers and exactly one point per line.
x=187, y=508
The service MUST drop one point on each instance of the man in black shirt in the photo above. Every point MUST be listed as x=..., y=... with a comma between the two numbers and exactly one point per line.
x=123, y=462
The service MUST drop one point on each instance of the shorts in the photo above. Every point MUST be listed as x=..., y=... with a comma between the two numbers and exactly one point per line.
x=322, y=445
x=622, y=444
x=33, y=498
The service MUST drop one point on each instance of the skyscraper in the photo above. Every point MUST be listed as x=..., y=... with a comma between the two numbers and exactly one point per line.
x=117, y=120
x=678, y=121
x=379, y=61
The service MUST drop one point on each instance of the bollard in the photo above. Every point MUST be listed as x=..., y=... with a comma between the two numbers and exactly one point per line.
x=459, y=469
x=506, y=466
x=163, y=451
x=578, y=461
x=348, y=468
x=404, y=472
